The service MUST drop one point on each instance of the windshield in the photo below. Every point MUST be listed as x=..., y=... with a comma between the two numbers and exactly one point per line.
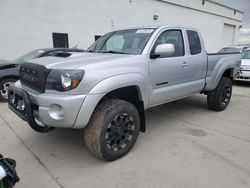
x=130, y=41
x=229, y=50
x=245, y=55
x=28, y=56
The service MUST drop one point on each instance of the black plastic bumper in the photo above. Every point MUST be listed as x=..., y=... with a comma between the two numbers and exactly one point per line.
x=21, y=96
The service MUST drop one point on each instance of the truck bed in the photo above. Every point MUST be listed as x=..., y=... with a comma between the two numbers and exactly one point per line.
x=217, y=60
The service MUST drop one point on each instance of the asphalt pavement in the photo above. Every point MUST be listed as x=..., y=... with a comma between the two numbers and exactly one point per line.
x=186, y=145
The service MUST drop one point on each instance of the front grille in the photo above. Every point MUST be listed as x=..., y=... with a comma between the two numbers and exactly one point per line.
x=34, y=76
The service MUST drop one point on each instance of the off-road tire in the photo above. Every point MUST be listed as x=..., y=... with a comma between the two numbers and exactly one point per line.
x=219, y=98
x=8, y=80
x=95, y=134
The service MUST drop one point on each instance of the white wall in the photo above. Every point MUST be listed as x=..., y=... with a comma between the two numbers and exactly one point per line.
x=27, y=24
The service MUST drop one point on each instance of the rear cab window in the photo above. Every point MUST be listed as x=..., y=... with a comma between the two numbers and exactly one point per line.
x=194, y=42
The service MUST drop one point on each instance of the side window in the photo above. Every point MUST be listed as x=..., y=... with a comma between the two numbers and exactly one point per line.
x=194, y=42
x=173, y=37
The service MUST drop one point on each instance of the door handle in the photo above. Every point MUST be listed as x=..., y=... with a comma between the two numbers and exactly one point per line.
x=185, y=64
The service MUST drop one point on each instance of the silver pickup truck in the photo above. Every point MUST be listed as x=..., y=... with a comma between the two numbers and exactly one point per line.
x=107, y=89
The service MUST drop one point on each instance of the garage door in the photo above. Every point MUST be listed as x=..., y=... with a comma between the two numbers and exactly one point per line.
x=227, y=35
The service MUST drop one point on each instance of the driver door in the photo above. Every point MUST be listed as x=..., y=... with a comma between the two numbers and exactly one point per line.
x=169, y=75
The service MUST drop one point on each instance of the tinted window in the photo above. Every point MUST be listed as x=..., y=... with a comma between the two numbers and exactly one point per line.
x=172, y=37
x=194, y=42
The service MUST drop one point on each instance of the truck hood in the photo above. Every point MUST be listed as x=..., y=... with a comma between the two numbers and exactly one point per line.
x=79, y=61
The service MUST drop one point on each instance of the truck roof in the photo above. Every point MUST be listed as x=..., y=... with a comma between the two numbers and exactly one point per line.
x=160, y=26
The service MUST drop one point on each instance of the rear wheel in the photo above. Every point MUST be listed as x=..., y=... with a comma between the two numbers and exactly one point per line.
x=219, y=98
x=113, y=129
x=4, y=85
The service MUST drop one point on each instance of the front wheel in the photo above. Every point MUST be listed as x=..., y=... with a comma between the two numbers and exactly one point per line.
x=219, y=98
x=113, y=129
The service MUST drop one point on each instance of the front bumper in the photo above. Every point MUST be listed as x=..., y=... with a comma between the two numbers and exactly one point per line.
x=51, y=110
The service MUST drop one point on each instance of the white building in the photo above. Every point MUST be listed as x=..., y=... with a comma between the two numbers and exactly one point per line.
x=27, y=24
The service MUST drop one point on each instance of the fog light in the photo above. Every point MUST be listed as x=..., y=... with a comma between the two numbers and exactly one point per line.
x=56, y=112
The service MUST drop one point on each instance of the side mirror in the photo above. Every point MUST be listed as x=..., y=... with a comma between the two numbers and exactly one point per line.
x=164, y=50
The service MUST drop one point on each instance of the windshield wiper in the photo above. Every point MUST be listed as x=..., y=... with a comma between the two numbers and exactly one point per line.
x=111, y=51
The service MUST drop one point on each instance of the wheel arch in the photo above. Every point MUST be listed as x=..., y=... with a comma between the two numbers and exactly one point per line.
x=121, y=81
x=131, y=94
x=8, y=77
x=130, y=88
x=229, y=73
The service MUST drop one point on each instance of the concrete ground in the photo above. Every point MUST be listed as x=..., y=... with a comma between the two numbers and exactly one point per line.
x=186, y=145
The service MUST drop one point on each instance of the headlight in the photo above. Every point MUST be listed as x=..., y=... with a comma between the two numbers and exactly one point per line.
x=64, y=80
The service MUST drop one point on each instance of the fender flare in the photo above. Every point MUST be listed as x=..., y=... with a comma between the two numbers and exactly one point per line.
x=119, y=81
x=221, y=67
x=105, y=86
x=220, y=74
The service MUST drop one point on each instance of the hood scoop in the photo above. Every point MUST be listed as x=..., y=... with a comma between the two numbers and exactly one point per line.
x=63, y=55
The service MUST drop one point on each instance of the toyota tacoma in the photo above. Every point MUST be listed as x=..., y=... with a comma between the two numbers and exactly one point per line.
x=107, y=89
